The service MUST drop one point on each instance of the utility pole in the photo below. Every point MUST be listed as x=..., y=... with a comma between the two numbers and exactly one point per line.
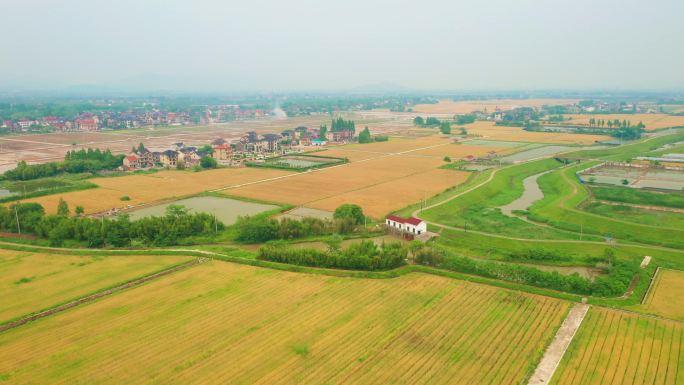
x=16, y=214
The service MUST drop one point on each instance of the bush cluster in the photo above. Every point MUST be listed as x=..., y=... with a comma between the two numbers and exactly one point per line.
x=615, y=283
x=167, y=230
x=260, y=230
x=91, y=160
x=361, y=256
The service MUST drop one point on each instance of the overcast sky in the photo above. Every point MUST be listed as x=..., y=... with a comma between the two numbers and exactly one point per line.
x=280, y=45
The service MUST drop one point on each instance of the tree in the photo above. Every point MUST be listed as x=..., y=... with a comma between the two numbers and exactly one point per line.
x=334, y=243
x=464, y=119
x=62, y=208
x=323, y=132
x=463, y=130
x=208, y=162
x=447, y=159
x=352, y=211
x=365, y=136
x=418, y=121
x=445, y=128
x=79, y=211
x=625, y=182
x=141, y=148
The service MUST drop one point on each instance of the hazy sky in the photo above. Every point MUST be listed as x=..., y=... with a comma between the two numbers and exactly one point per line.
x=319, y=44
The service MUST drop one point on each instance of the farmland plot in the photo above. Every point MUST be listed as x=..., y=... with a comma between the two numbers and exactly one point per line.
x=666, y=297
x=490, y=131
x=30, y=282
x=651, y=121
x=614, y=347
x=154, y=187
x=225, y=323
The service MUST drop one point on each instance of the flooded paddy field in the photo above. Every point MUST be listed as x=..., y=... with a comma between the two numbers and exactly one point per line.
x=635, y=177
x=227, y=210
x=534, y=153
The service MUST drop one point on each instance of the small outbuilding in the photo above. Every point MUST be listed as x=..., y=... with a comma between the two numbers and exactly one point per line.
x=412, y=226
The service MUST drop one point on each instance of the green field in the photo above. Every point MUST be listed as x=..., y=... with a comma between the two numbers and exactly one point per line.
x=563, y=193
x=638, y=197
x=662, y=219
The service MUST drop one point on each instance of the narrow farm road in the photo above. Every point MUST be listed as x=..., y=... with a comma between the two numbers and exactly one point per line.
x=556, y=350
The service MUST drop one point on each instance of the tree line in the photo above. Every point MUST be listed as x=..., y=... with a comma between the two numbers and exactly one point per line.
x=90, y=160
x=258, y=229
x=340, y=124
x=365, y=255
x=614, y=283
x=366, y=137
x=177, y=223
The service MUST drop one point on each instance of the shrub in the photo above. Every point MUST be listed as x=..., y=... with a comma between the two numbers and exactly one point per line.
x=347, y=210
x=361, y=256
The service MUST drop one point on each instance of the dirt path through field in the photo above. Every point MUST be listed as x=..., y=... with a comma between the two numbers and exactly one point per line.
x=554, y=353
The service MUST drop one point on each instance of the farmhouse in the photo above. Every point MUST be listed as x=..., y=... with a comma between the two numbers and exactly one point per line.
x=131, y=162
x=412, y=226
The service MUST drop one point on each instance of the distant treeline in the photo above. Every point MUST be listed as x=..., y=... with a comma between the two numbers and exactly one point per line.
x=91, y=160
x=340, y=124
x=166, y=230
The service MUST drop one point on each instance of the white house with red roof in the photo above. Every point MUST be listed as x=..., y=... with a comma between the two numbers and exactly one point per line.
x=413, y=226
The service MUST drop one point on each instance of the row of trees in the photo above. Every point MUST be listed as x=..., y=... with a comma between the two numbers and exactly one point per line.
x=593, y=122
x=615, y=283
x=340, y=124
x=259, y=229
x=90, y=160
x=366, y=137
x=365, y=255
x=169, y=229
x=426, y=122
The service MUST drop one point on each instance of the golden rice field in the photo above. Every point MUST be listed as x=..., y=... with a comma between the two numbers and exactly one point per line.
x=488, y=130
x=30, y=282
x=615, y=347
x=666, y=297
x=652, y=121
x=379, y=175
x=224, y=323
x=464, y=107
x=403, y=192
x=154, y=187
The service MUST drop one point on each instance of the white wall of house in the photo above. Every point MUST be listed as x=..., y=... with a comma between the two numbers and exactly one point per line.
x=407, y=227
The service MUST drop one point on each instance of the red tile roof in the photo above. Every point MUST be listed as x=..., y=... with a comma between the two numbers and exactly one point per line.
x=412, y=221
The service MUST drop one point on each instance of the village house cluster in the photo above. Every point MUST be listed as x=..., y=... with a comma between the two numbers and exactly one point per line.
x=250, y=147
x=137, y=118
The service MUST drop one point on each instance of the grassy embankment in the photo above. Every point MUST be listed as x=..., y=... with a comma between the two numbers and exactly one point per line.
x=478, y=209
x=563, y=193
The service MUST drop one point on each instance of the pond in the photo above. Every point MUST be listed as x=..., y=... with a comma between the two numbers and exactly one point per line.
x=226, y=210
x=535, y=153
